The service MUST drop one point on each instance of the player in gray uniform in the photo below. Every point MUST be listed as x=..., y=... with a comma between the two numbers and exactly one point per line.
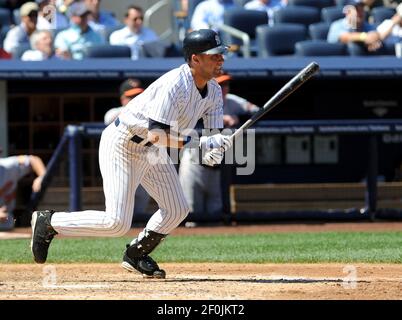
x=202, y=184
x=132, y=151
x=12, y=169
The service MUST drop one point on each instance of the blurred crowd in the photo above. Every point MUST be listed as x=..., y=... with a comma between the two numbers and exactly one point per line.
x=65, y=29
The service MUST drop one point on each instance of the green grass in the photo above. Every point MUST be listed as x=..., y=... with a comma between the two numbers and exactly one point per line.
x=385, y=247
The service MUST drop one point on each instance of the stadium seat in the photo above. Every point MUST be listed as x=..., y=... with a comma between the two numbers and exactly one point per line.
x=5, y=18
x=340, y=3
x=159, y=49
x=311, y=3
x=319, y=48
x=16, y=16
x=107, y=51
x=239, y=28
x=3, y=33
x=240, y=3
x=318, y=31
x=300, y=14
x=331, y=14
x=380, y=14
x=279, y=39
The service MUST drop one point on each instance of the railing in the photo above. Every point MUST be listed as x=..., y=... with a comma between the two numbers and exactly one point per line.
x=74, y=134
x=151, y=11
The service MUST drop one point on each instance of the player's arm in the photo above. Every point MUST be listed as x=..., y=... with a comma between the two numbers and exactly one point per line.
x=38, y=167
x=161, y=134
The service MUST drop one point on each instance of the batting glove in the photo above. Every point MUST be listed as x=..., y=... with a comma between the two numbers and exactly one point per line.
x=213, y=157
x=216, y=141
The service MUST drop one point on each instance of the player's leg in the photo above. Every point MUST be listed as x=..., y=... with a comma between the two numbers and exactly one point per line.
x=161, y=181
x=121, y=173
x=120, y=178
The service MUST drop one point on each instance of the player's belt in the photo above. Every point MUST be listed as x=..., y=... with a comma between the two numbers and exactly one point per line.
x=136, y=139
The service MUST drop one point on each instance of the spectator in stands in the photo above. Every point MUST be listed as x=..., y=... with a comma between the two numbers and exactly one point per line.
x=42, y=47
x=129, y=89
x=19, y=35
x=202, y=184
x=353, y=29
x=208, y=14
x=73, y=41
x=49, y=18
x=12, y=169
x=99, y=20
x=390, y=30
x=134, y=34
x=266, y=5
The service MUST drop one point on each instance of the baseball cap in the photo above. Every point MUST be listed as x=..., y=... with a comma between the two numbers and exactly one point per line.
x=27, y=8
x=77, y=9
x=130, y=88
x=223, y=78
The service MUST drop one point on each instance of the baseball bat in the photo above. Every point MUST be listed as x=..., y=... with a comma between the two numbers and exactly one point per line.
x=283, y=93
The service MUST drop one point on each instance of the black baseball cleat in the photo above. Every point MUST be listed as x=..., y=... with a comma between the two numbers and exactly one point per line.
x=145, y=265
x=42, y=234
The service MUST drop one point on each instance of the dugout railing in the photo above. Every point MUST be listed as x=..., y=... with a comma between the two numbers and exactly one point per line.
x=366, y=208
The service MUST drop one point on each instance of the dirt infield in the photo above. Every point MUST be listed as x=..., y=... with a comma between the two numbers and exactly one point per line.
x=203, y=281
x=206, y=281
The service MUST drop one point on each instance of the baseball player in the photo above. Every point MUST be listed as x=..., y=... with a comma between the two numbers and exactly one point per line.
x=130, y=146
x=12, y=169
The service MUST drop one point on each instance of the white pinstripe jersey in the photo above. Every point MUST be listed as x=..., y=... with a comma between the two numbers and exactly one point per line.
x=174, y=99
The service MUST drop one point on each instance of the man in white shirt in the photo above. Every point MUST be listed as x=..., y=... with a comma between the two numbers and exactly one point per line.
x=209, y=14
x=134, y=34
x=270, y=6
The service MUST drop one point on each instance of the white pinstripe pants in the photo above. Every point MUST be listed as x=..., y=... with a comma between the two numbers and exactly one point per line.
x=124, y=165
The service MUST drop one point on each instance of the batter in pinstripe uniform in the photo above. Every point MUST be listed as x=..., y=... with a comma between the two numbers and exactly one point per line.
x=133, y=151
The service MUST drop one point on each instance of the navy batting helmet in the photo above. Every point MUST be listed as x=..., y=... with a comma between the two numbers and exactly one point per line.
x=204, y=41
